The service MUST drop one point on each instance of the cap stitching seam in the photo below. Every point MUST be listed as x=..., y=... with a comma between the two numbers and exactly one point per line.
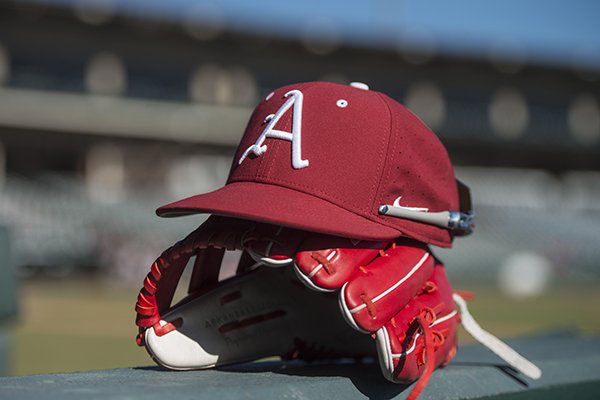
x=275, y=145
x=384, y=174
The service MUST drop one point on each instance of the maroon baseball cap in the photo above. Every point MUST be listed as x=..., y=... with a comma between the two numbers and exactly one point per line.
x=325, y=157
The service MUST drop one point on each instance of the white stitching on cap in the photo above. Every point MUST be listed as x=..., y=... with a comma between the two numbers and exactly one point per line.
x=295, y=99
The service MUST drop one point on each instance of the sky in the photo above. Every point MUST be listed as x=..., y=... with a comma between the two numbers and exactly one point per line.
x=558, y=32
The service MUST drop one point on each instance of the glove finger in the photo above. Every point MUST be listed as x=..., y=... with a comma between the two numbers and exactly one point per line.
x=325, y=263
x=402, y=343
x=375, y=294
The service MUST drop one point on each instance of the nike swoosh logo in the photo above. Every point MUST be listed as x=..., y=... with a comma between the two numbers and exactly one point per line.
x=397, y=204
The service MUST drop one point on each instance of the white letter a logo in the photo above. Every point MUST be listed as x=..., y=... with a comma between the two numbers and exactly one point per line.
x=259, y=148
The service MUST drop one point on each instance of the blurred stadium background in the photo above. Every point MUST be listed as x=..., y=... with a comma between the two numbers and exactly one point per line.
x=110, y=108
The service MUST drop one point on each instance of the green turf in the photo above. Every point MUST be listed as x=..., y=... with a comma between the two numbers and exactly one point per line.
x=74, y=325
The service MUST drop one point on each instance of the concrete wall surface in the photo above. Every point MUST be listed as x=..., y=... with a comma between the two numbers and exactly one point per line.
x=569, y=364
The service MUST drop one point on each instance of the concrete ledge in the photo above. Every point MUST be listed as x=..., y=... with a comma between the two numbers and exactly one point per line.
x=570, y=365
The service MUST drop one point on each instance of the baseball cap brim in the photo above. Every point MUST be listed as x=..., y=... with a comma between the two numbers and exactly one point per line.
x=282, y=206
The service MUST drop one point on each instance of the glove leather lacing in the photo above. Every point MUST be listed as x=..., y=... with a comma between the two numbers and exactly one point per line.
x=433, y=339
x=424, y=320
x=490, y=341
x=168, y=268
x=327, y=265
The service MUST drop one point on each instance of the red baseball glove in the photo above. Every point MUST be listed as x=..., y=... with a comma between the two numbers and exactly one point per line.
x=395, y=291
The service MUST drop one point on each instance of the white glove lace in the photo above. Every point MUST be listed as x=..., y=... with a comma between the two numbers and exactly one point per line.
x=490, y=341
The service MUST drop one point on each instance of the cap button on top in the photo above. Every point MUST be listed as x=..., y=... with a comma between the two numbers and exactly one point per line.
x=359, y=85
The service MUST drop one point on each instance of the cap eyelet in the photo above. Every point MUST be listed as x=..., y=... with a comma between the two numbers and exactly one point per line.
x=269, y=96
x=341, y=103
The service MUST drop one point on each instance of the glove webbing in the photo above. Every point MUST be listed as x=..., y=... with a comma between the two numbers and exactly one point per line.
x=161, y=282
